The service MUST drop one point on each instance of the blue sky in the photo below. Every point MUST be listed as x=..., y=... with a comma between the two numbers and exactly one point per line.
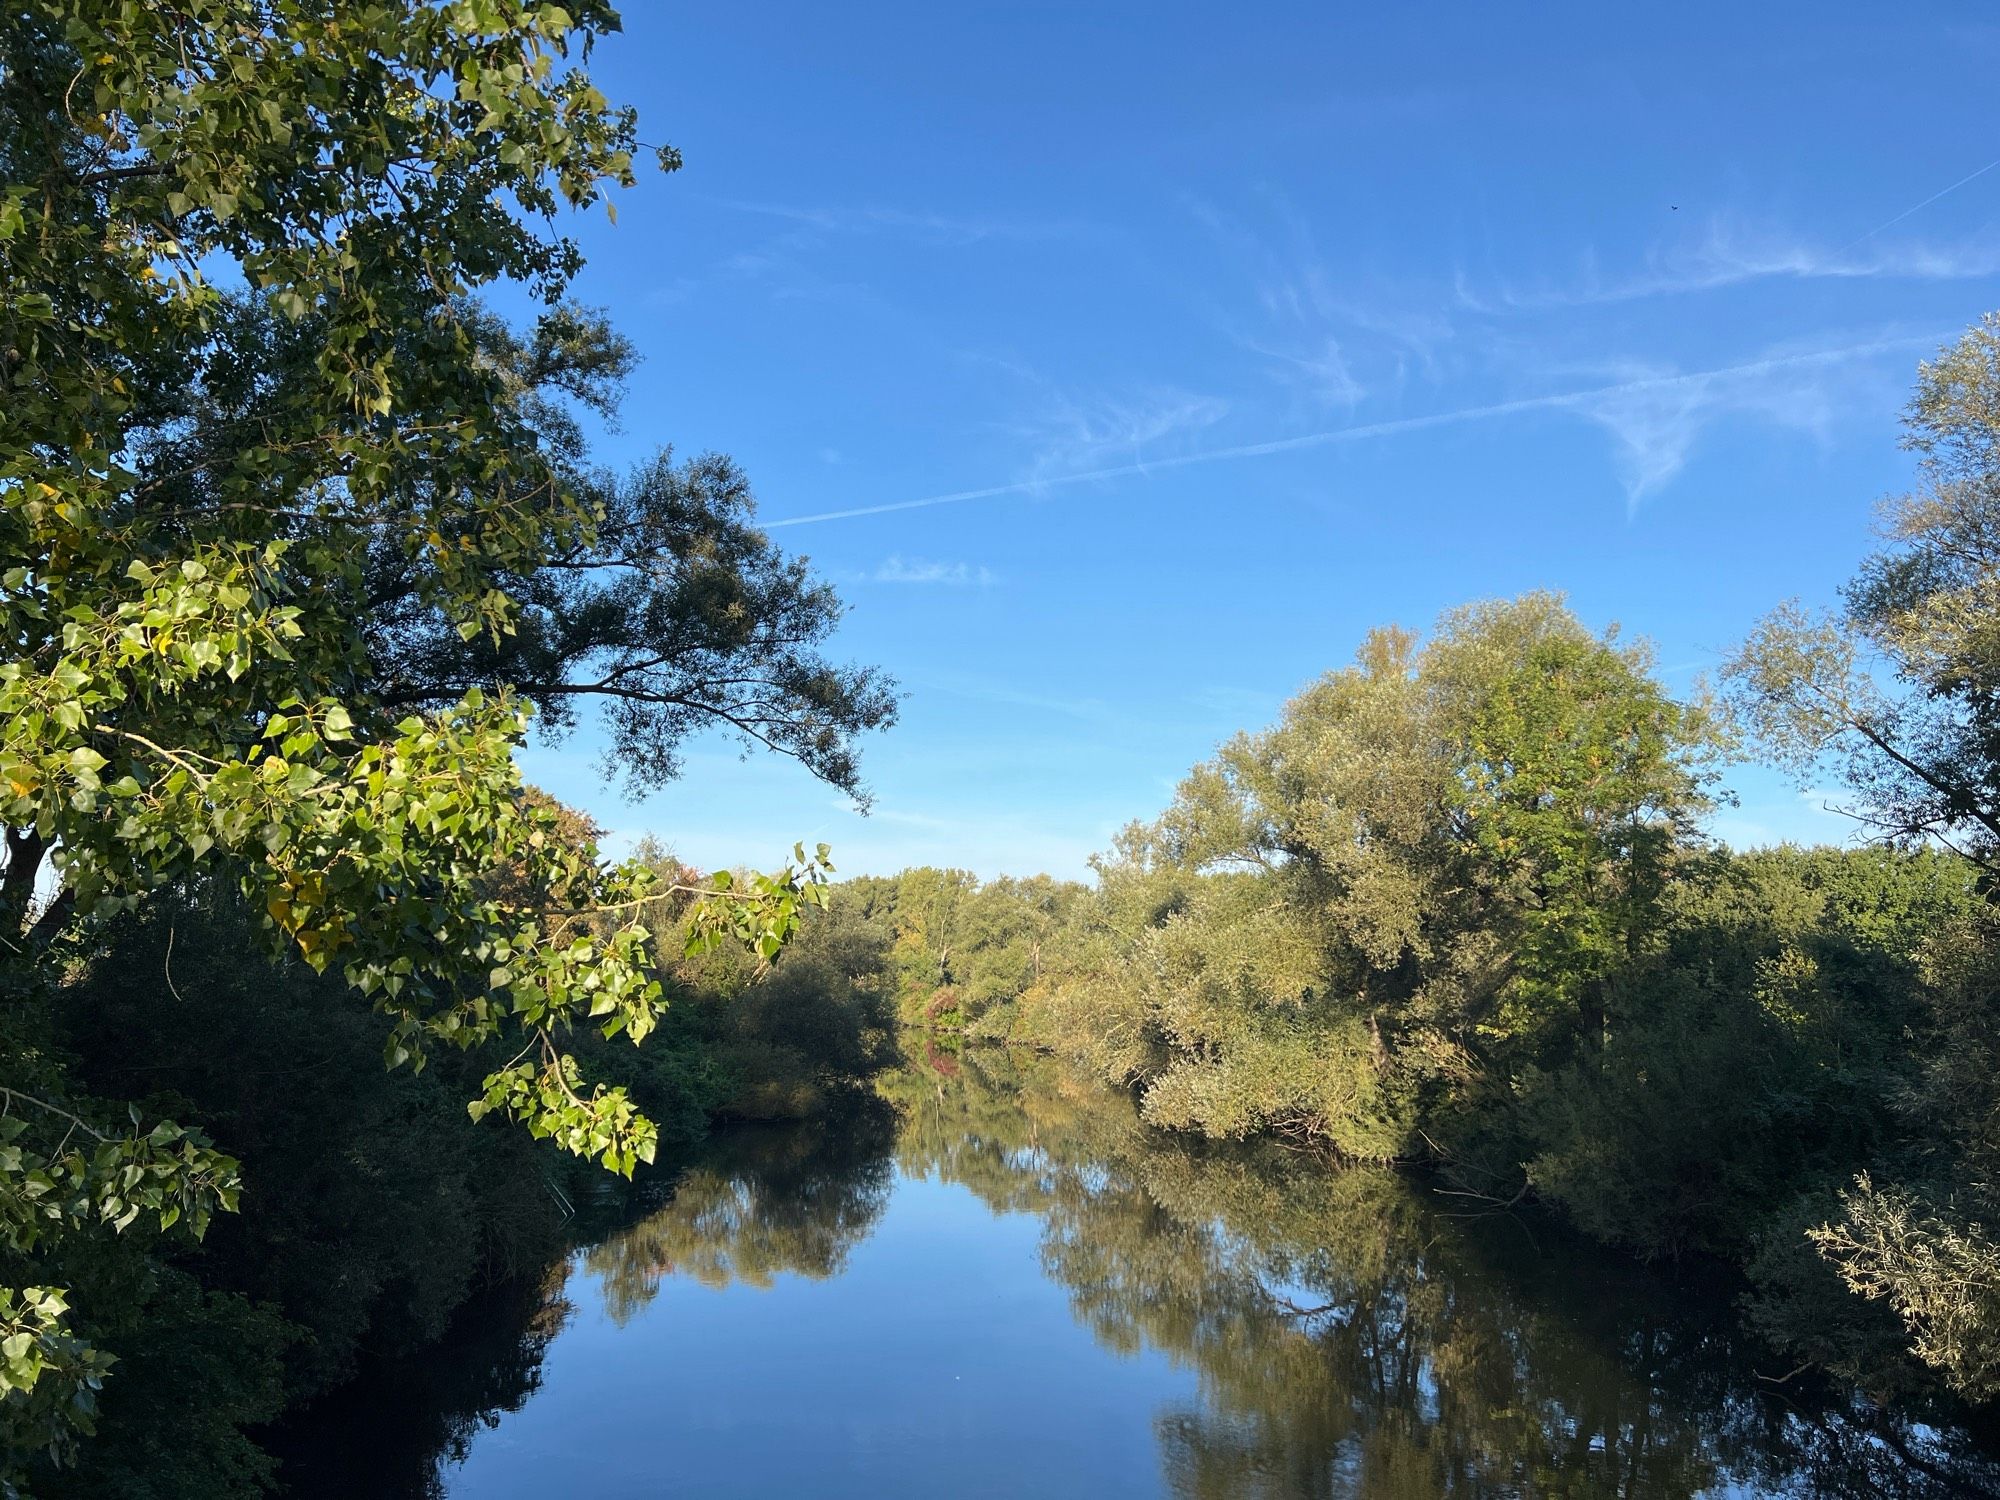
x=1240, y=331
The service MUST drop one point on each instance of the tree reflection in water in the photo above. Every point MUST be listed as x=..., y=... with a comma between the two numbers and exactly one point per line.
x=1351, y=1338
x=1348, y=1335
x=762, y=1201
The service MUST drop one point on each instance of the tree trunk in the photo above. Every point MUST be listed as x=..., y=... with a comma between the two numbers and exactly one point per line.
x=1590, y=1017
x=25, y=849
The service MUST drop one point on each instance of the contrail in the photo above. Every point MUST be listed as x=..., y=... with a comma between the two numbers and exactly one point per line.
x=1916, y=208
x=1390, y=428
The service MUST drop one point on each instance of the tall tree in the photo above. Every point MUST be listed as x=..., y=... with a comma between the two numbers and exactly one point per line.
x=1431, y=866
x=285, y=569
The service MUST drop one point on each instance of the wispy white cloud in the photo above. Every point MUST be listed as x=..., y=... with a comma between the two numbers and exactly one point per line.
x=1063, y=428
x=1320, y=372
x=1653, y=415
x=1073, y=431
x=938, y=228
x=1308, y=325
x=1729, y=254
x=1724, y=255
x=899, y=569
x=1318, y=339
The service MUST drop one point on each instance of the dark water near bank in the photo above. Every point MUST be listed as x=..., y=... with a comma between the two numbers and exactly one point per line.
x=1002, y=1288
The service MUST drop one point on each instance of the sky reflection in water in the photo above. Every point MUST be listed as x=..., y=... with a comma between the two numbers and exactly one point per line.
x=1007, y=1289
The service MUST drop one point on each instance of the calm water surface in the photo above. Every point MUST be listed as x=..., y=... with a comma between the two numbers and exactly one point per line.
x=1000, y=1287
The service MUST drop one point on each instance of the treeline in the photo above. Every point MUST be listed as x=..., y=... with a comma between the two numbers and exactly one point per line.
x=1773, y=1041
x=1456, y=908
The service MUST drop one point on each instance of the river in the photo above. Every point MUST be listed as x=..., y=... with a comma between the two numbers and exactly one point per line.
x=990, y=1281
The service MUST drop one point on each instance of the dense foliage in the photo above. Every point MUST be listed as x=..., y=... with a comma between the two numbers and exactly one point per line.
x=1775, y=1025
x=374, y=1210
x=1900, y=687
x=296, y=536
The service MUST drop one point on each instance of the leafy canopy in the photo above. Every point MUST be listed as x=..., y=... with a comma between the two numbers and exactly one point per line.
x=1428, y=870
x=294, y=538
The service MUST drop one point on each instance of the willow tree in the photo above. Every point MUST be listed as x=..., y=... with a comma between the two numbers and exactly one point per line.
x=295, y=538
x=1424, y=876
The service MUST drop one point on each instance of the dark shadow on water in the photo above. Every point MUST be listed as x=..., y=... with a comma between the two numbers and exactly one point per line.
x=393, y=1429
x=756, y=1199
